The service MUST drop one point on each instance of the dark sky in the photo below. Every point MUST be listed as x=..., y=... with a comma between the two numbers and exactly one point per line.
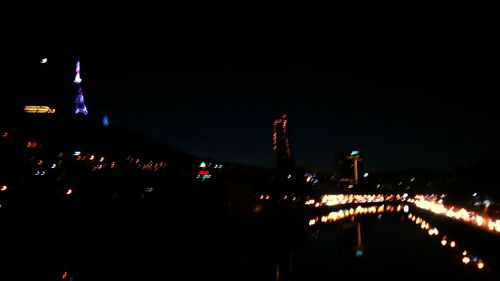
x=411, y=86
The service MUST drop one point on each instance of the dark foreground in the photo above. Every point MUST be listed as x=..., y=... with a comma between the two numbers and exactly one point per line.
x=198, y=241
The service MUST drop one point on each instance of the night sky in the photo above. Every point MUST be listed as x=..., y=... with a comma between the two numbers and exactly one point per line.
x=410, y=86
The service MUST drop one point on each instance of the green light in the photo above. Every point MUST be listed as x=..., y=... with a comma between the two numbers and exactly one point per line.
x=203, y=165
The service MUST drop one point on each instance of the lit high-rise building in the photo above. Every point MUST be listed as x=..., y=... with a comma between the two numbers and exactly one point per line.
x=282, y=150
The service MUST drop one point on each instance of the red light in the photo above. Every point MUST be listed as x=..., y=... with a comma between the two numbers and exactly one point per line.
x=203, y=172
x=65, y=274
x=284, y=116
x=69, y=191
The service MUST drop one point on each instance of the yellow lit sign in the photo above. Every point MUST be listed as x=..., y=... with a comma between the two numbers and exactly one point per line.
x=38, y=109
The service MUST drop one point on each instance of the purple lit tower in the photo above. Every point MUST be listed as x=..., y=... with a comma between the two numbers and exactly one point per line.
x=80, y=107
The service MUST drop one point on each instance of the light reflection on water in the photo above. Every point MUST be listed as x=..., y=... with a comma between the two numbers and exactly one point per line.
x=431, y=202
x=465, y=256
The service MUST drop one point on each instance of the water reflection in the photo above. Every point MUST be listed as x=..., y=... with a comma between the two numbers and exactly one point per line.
x=335, y=216
x=431, y=202
x=465, y=256
x=355, y=215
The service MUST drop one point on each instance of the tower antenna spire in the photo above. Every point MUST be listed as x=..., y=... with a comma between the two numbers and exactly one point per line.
x=80, y=107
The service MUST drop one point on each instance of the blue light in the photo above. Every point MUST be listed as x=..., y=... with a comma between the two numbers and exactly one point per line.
x=105, y=121
x=359, y=253
x=354, y=152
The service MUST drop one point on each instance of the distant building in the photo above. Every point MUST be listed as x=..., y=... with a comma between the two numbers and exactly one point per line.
x=349, y=167
x=282, y=151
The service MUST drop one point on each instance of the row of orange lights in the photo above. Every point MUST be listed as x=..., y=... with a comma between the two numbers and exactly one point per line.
x=359, y=210
x=342, y=199
x=149, y=166
x=435, y=204
x=433, y=231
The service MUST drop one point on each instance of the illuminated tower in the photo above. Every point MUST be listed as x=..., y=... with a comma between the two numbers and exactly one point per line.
x=350, y=167
x=282, y=150
x=80, y=107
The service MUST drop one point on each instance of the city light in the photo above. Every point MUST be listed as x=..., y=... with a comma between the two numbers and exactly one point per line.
x=38, y=109
x=105, y=121
x=80, y=107
x=444, y=241
x=435, y=205
x=335, y=216
x=77, y=79
x=342, y=199
x=4, y=187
